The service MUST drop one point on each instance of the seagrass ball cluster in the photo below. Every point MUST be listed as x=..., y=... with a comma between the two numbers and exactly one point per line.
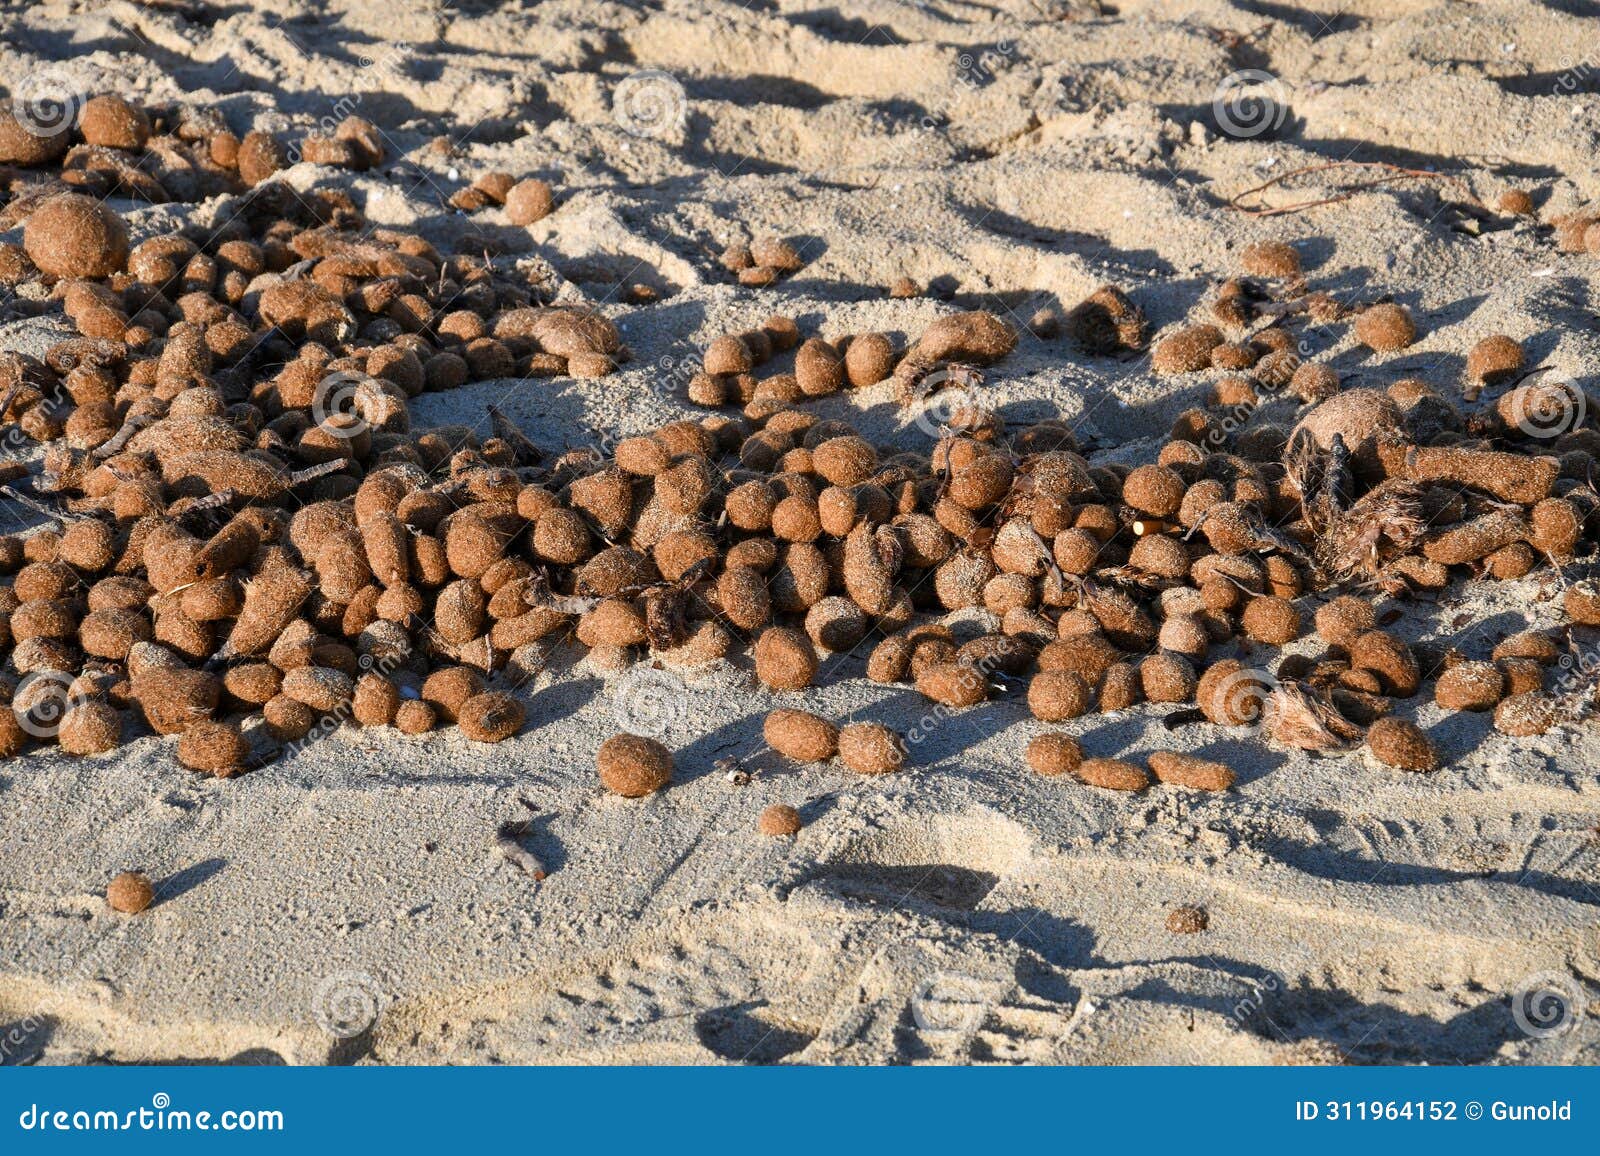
x=252, y=538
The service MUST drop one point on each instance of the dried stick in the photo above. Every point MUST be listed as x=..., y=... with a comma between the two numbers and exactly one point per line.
x=1394, y=173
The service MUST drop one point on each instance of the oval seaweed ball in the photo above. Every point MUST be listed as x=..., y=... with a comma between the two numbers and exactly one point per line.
x=489, y=718
x=1154, y=490
x=71, y=236
x=215, y=748
x=1386, y=328
x=1270, y=259
x=1186, y=351
x=1187, y=920
x=1346, y=618
x=801, y=736
x=13, y=739
x=778, y=820
x=1390, y=659
x=1113, y=775
x=845, y=461
x=1230, y=694
x=19, y=145
x=1057, y=695
x=1180, y=770
x=869, y=359
x=1401, y=744
x=415, y=717
x=447, y=689
x=953, y=684
x=1495, y=360
x=1582, y=602
x=633, y=766
x=130, y=892
x=1517, y=202
x=528, y=201
x=1167, y=678
x=375, y=702
x=288, y=719
x=1527, y=714
x=1271, y=620
x=1054, y=754
x=260, y=155
x=871, y=748
x=785, y=659
x=1474, y=686
x=818, y=368
x=728, y=354
x=111, y=122
x=90, y=728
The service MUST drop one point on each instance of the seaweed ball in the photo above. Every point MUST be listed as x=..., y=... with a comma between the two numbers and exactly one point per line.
x=778, y=820
x=130, y=892
x=1386, y=328
x=111, y=122
x=633, y=766
x=1399, y=743
x=74, y=236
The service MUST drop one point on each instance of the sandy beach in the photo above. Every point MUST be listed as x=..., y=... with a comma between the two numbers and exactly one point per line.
x=371, y=898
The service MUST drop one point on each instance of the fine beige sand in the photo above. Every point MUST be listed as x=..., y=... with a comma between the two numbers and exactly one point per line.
x=351, y=904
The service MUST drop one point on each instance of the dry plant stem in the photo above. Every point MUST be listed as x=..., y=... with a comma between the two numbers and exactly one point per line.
x=526, y=452
x=119, y=440
x=1395, y=173
x=33, y=504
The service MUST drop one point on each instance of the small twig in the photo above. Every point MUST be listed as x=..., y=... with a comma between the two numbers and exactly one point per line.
x=115, y=443
x=508, y=843
x=11, y=395
x=1395, y=173
x=527, y=454
x=312, y=473
x=33, y=504
x=211, y=502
